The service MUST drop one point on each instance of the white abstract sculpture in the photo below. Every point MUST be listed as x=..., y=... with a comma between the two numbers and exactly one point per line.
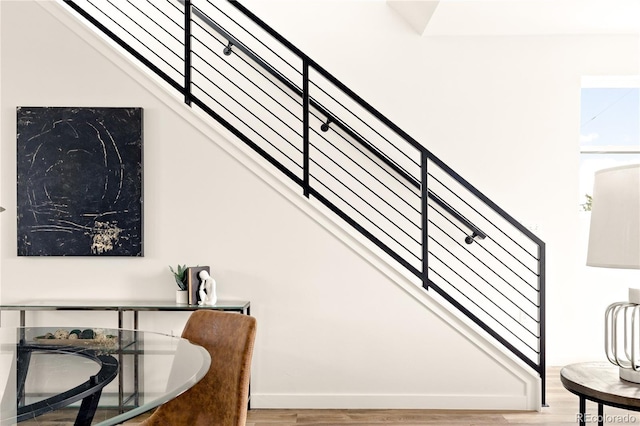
x=207, y=290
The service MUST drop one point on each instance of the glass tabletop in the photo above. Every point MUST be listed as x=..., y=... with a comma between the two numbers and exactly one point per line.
x=43, y=369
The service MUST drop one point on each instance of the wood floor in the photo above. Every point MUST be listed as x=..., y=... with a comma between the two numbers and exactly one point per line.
x=561, y=411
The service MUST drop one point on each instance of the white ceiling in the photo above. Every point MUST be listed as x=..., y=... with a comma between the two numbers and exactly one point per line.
x=522, y=17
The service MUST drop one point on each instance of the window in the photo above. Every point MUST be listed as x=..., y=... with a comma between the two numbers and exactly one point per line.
x=609, y=128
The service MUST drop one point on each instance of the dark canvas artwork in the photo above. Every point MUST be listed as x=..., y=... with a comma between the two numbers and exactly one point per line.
x=79, y=181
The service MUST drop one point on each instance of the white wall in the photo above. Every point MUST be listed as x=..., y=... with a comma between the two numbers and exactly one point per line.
x=332, y=329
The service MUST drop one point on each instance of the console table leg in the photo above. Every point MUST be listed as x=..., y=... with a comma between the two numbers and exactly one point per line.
x=583, y=411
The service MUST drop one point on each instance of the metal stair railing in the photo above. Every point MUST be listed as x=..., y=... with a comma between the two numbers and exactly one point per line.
x=345, y=155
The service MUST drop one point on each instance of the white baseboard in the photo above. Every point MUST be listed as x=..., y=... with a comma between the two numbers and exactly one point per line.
x=388, y=401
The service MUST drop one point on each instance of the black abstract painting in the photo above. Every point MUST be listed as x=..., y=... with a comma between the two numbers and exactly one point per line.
x=79, y=181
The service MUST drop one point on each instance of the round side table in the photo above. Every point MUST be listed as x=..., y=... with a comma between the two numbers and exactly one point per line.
x=600, y=382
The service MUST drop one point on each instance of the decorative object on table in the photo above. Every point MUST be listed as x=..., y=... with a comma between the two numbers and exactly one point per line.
x=614, y=242
x=179, y=274
x=207, y=290
x=79, y=181
x=193, y=282
x=88, y=337
x=182, y=297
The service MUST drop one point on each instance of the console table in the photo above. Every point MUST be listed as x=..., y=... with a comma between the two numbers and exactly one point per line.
x=120, y=307
x=599, y=382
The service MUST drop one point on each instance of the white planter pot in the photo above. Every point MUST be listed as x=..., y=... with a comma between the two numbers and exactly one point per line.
x=182, y=297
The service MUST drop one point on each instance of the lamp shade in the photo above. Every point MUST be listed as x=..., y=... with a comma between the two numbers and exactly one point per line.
x=614, y=234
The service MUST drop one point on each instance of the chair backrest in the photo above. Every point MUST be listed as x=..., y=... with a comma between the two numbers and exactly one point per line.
x=221, y=397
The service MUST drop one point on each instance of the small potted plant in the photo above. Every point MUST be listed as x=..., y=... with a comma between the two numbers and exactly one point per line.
x=182, y=296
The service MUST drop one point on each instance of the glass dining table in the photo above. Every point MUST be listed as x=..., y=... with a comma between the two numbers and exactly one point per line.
x=119, y=373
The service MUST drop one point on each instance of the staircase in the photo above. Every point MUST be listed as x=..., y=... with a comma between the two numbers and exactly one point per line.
x=425, y=218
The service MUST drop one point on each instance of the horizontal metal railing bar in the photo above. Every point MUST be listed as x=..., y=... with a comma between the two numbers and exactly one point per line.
x=445, y=217
x=249, y=127
x=367, y=125
x=158, y=25
x=173, y=5
x=241, y=46
x=277, y=117
x=492, y=224
x=365, y=217
x=268, y=142
x=179, y=25
x=466, y=296
x=177, y=86
x=531, y=363
x=398, y=227
x=513, y=256
x=365, y=232
x=511, y=269
x=487, y=266
x=408, y=185
x=137, y=39
x=240, y=26
x=486, y=200
x=534, y=305
x=500, y=261
x=368, y=172
x=195, y=100
x=372, y=149
x=507, y=252
x=293, y=87
x=250, y=64
x=439, y=201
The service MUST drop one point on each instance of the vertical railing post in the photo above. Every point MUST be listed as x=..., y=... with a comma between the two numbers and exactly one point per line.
x=543, y=322
x=187, y=52
x=305, y=130
x=425, y=219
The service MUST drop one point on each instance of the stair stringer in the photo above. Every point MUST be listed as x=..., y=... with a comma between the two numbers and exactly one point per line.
x=254, y=163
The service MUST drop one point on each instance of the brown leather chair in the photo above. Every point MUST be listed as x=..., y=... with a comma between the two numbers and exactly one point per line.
x=221, y=397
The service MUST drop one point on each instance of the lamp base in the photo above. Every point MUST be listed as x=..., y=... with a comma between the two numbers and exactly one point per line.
x=630, y=375
x=634, y=295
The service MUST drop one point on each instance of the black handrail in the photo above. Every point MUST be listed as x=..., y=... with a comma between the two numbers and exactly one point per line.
x=456, y=214
x=476, y=232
